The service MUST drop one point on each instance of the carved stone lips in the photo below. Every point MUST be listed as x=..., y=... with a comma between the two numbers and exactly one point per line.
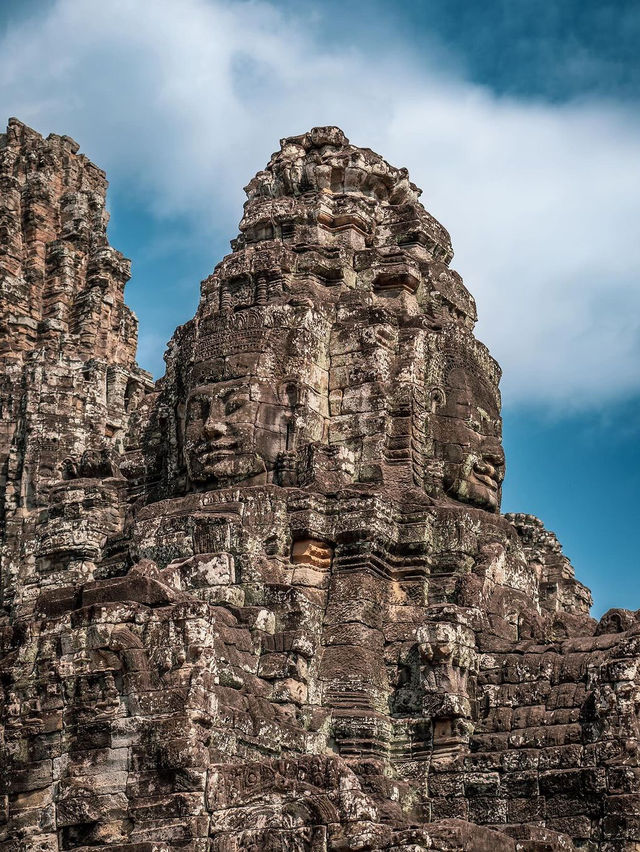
x=221, y=448
x=480, y=471
x=487, y=480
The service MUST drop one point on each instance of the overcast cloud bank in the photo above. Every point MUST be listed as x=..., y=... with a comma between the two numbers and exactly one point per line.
x=183, y=102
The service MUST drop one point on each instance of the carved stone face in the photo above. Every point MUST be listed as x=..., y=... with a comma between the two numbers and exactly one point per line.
x=234, y=431
x=468, y=432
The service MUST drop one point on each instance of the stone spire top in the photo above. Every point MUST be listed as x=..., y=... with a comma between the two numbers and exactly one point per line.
x=323, y=160
x=341, y=187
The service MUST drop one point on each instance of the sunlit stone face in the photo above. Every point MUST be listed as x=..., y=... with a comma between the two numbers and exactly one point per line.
x=468, y=436
x=230, y=435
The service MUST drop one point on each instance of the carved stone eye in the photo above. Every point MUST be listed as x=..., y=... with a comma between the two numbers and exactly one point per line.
x=234, y=404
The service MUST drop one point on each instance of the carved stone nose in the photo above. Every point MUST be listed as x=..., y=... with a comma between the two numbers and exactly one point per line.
x=215, y=428
x=485, y=468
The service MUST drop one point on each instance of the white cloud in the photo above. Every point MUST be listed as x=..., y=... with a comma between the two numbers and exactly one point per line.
x=183, y=102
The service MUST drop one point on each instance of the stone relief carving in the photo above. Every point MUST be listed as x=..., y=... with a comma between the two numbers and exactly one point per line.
x=270, y=601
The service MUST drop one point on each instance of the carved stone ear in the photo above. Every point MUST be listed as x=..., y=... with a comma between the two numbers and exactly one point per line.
x=437, y=399
x=291, y=393
x=69, y=468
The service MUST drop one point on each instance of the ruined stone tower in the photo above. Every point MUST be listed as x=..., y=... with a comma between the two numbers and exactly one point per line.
x=270, y=603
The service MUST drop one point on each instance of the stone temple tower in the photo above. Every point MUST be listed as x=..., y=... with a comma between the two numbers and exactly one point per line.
x=270, y=603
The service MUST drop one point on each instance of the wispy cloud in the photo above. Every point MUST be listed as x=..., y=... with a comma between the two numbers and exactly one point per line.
x=182, y=103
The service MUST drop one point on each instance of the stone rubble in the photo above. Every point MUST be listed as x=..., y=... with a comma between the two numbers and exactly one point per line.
x=270, y=602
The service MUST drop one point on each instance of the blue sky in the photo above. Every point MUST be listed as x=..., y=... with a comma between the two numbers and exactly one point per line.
x=520, y=121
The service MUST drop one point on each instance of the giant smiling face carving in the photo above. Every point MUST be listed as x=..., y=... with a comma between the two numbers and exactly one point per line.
x=468, y=439
x=230, y=435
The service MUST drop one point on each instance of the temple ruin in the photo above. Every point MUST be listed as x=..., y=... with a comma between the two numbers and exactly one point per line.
x=270, y=601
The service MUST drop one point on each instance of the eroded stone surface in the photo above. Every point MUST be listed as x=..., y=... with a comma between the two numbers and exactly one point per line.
x=270, y=603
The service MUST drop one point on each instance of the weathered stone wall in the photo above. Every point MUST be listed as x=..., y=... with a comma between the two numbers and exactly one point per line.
x=271, y=602
x=68, y=374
